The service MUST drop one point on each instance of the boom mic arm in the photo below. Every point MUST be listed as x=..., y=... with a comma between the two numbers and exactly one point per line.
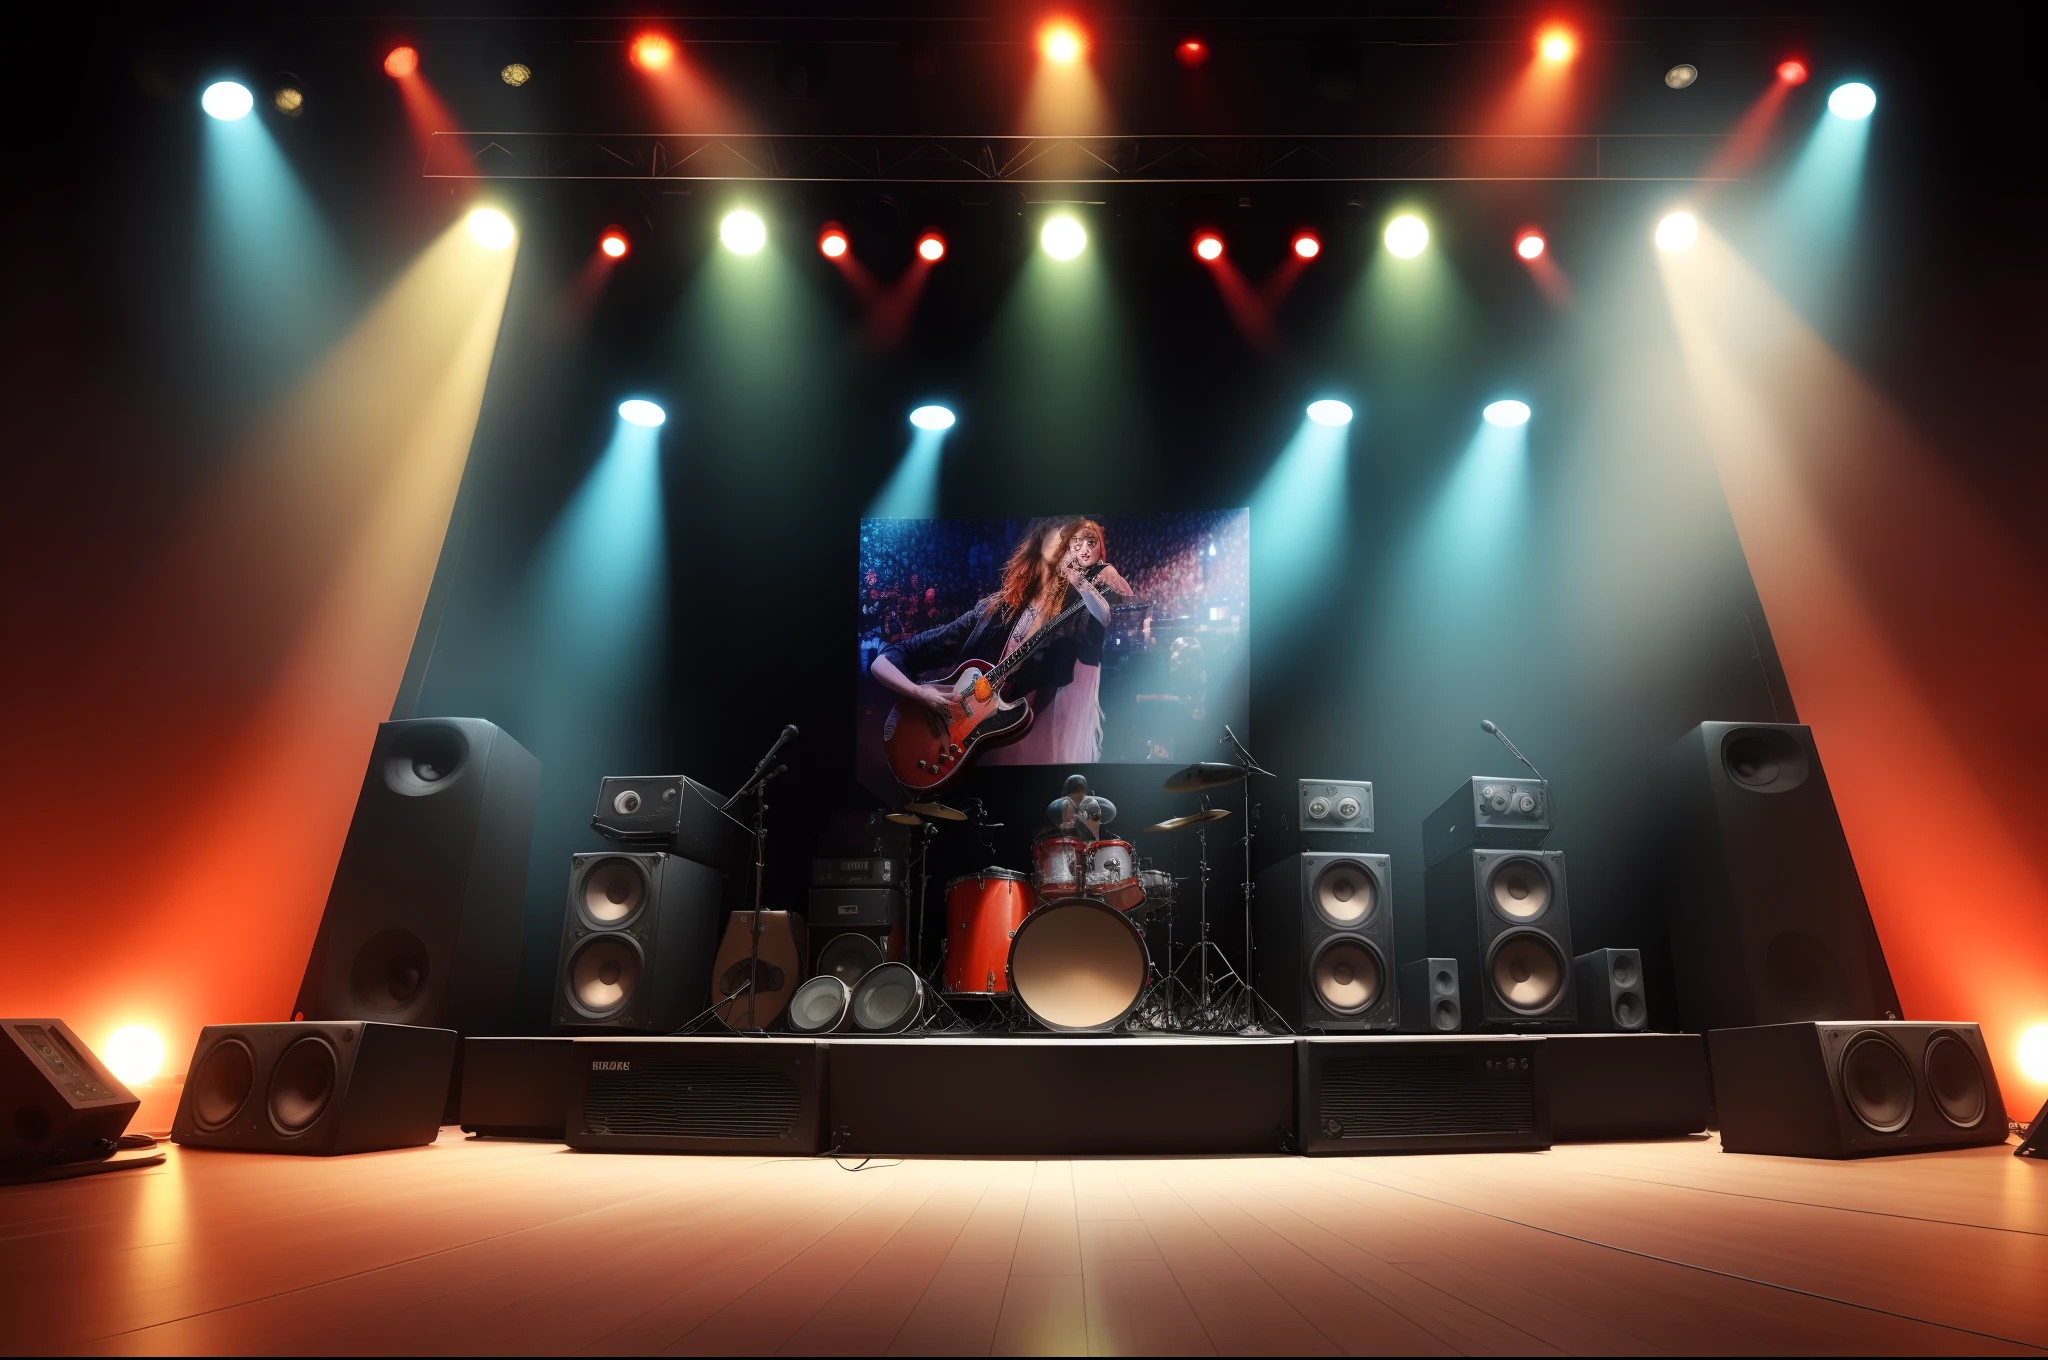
x=1488, y=726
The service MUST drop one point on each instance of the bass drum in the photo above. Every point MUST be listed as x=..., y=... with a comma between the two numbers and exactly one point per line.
x=1078, y=966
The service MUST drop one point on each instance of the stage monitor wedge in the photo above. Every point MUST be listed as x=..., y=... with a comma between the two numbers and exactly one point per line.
x=1370, y=1093
x=697, y=1095
x=423, y=922
x=315, y=1088
x=58, y=1101
x=1326, y=941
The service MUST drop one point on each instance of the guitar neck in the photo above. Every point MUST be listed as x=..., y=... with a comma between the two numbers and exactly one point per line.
x=1002, y=669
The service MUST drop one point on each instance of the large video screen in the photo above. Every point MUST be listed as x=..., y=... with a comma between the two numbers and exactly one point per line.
x=1062, y=640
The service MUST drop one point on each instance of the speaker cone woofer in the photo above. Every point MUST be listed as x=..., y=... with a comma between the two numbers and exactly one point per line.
x=820, y=1005
x=423, y=759
x=390, y=972
x=889, y=999
x=1519, y=889
x=614, y=890
x=1628, y=1011
x=1955, y=1080
x=1443, y=1016
x=221, y=1084
x=1627, y=970
x=1764, y=759
x=1348, y=976
x=1444, y=983
x=1527, y=972
x=1346, y=892
x=848, y=956
x=1877, y=1082
x=302, y=1084
x=604, y=975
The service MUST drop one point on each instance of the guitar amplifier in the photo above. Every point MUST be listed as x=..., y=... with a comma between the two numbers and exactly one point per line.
x=855, y=907
x=857, y=873
x=670, y=812
x=697, y=1095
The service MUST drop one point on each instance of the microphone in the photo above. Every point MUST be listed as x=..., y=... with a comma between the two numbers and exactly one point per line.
x=788, y=734
x=1492, y=729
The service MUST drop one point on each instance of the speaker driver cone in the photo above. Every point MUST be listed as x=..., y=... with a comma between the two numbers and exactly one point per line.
x=1346, y=892
x=1955, y=1080
x=1878, y=1083
x=849, y=956
x=820, y=1005
x=389, y=973
x=221, y=1085
x=1519, y=889
x=1527, y=972
x=613, y=891
x=604, y=974
x=1348, y=976
x=303, y=1084
x=888, y=1000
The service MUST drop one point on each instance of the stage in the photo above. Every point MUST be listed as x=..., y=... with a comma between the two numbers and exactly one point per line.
x=474, y=1245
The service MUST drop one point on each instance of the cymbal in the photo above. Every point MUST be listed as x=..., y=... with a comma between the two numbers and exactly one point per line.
x=1176, y=823
x=903, y=818
x=936, y=811
x=1207, y=774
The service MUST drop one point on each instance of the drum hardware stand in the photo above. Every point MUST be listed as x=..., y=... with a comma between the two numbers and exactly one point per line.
x=1205, y=1000
x=757, y=784
x=1249, y=996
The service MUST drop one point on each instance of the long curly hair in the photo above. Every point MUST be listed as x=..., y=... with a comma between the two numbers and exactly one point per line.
x=1028, y=574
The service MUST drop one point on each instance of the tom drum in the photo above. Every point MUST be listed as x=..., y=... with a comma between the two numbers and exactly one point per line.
x=1112, y=875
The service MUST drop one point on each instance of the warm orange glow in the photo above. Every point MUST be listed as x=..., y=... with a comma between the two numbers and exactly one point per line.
x=931, y=246
x=1529, y=244
x=401, y=62
x=1307, y=245
x=614, y=243
x=134, y=1053
x=1191, y=52
x=832, y=243
x=1557, y=44
x=653, y=52
x=1061, y=42
x=1209, y=246
x=1792, y=72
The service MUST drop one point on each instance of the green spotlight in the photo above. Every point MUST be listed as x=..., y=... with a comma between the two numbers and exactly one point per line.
x=1407, y=236
x=1063, y=238
x=743, y=232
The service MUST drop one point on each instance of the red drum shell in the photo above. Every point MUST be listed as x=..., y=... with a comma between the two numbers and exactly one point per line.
x=1113, y=874
x=982, y=911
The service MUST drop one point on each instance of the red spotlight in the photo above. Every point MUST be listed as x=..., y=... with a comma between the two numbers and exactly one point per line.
x=613, y=243
x=832, y=242
x=1191, y=52
x=1307, y=245
x=1530, y=244
x=1062, y=42
x=1557, y=44
x=653, y=52
x=931, y=246
x=1792, y=72
x=401, y=62
x=1209, y=246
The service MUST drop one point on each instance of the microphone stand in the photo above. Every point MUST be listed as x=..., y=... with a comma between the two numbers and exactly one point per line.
x=1252, y=767
x=758, y=786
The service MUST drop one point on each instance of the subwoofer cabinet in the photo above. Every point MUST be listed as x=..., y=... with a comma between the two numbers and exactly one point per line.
x=697, y=1095
x=1505, y=916
x=1326, y=941
x=317, y=1088
x=1372, y=1093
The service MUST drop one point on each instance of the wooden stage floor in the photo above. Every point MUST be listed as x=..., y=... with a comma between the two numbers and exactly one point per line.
x=470, y=1246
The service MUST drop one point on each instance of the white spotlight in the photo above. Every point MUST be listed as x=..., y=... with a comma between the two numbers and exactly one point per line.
x=227, y=101
x=642, y=413
x=1677, y=231
x=1329, y=411
x=1852, y=101
x=1407, y=236
x=932, y=418
x=491, y=229
x=1063, y=238
x=743, y=232
x=1507, y=414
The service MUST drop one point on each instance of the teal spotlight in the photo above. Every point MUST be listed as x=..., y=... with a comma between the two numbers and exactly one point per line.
x=1852, y=101
x=1507, y=414
x=641, y=412
x=1329, y=412
x=227, y=101
x=932, y=418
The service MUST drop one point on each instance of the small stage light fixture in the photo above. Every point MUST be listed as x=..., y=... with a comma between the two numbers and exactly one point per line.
x=641, y=412
x=1529, y=244
x=614, y=243
x=932, y=418
x=1407, y=236
x=1507, y=414
x=1682, y=75
x=227, y=101
x=832, y=241
x=931, y=246
x=1556, y=44
x=1677, y=231
x=652, y=51
x=134, y=1053
x=1061, y=43
x=491, y=229
x=1852, y=101
x=516, y=74
x=1329, y=411
x=401, y=62
x=1208, y=246
x=1191, y=52
x=288, y=100
x=743, y=232
x=1063, y=238
x=1792, y=72
x=1307, y=245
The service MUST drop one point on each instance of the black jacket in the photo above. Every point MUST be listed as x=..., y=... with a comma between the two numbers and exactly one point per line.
x=979, y=635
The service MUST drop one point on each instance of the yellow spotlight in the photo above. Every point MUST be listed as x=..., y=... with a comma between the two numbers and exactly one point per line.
x=1677, y=231
x=1407, y=236
x=1061, y=43
x=743, y=232
x=1556, y=44
x=491, y=229
x=134, y=1053
x=1063, y=238
x=2034, y=1053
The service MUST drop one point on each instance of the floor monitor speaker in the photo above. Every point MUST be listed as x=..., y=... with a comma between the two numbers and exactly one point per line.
x=1395, y=1094
x=1854, y=1088
x=1430, y=1000
x=1326, y=941
x=58, y=1102
x=1610, y=986
x=2034, y=1136
x=780, y=968
x=1767, y=917
x=316, y=1088
x=1505, y=915
x=637, y=941
x=423, y=921
x=698, y=1095
x=823, y=1005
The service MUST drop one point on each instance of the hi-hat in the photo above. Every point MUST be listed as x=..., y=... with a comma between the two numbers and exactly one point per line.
x=1176, y=823
x=903, y=818
x=937, y=811
x=1208, y=774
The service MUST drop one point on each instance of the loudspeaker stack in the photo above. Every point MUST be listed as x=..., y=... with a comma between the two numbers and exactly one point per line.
x=1499, y=904
x=637, y=941
x=1325, y=923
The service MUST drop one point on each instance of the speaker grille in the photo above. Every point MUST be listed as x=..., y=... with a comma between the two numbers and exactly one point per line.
x=692, y=1099
x=1420, y=1094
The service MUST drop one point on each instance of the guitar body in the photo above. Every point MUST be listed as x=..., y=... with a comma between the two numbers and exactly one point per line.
x=926, y=753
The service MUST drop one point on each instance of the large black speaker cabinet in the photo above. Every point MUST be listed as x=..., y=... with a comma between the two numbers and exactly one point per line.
x=1438, y=1094
x=1326, y=941
x=697, y=1095
x=1854, y=1089
x=423, y=922
x=315, y=1088
x=1505, y=916
x=637, y=941
x=1606, y=1088
x=58, y=1102
x=1767, y=918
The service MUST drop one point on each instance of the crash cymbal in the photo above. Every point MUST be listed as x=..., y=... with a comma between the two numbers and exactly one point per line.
x=1176, y=823
x=1208, y=774
x=936, y=811
x=903, y=818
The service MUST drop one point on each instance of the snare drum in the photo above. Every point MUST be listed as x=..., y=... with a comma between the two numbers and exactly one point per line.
x=1057, y=866
x=1112, y=875
x=982, y=911
x=1078, y=965
x=1159, y=887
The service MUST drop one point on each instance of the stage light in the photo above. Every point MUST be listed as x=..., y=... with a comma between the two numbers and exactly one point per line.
x=401, y=62
x=2034, y=1053
x=652, y=51
x=614, y=243
x=1209, y=246
x=1407, y=236
x=1676, y=231
x=743, y=232
x=134, y=1053
x=288, y=100
x=227, y=101
x=932, y=418
x=641, y=412
x=1063, y=238
x=1792, y=72
x=1556, y=44
x=1530, y=244
x=516, y=74
x=931, y=246
x=1329, y=411
x=491, y=229
x=1061, y=43
x=1682, y=75
x=1852, y=101
x=832, y=242
x=1307, y=245
x=1191, y=52
x=1507, y=414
